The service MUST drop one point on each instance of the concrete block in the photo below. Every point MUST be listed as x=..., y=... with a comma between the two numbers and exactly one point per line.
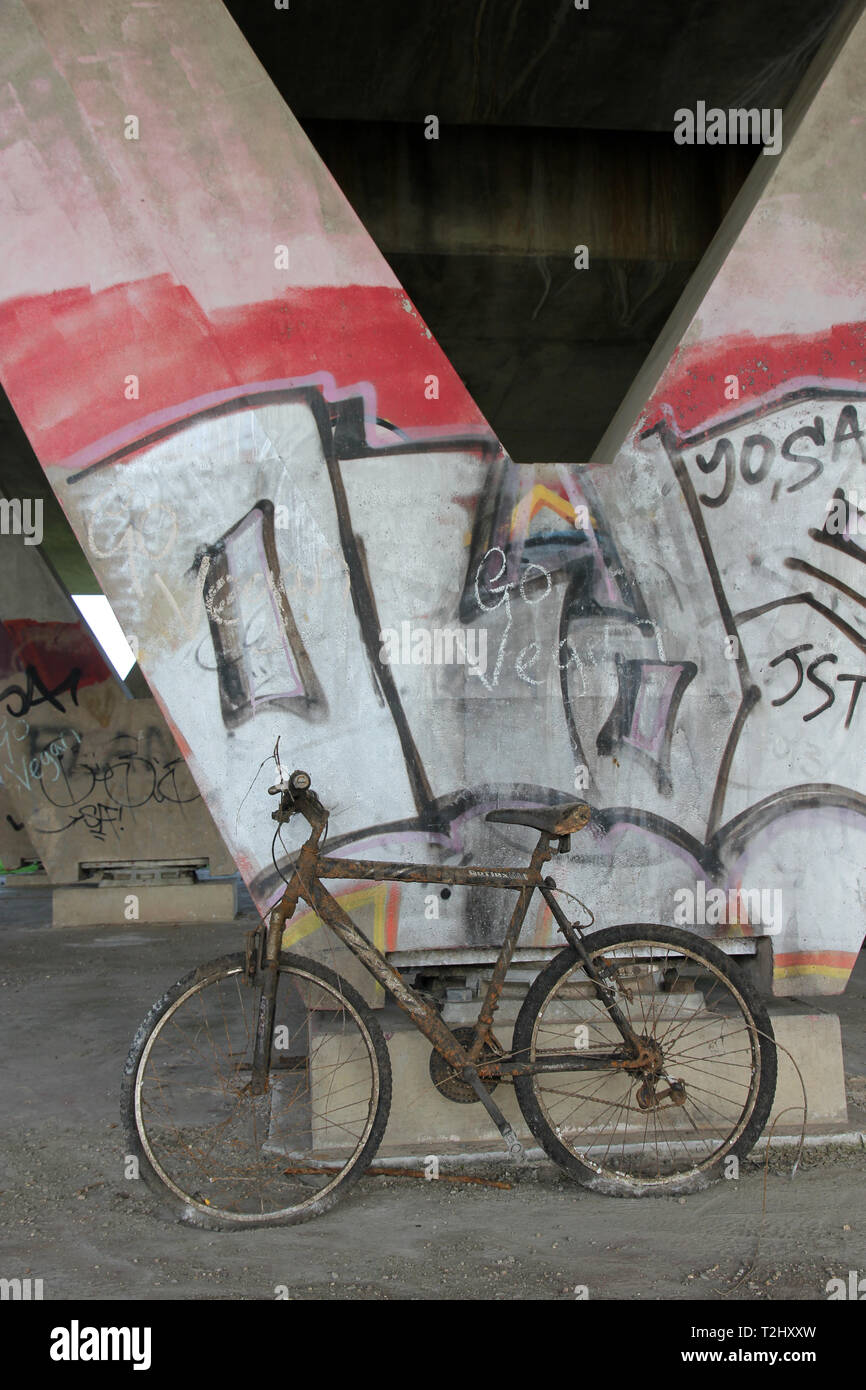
x=815, y=1041
x=37, y=880
x=82, y=905
x=422, y=1121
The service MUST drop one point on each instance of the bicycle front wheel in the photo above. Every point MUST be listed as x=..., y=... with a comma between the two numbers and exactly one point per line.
x=224, y=1157
x=706, y=1084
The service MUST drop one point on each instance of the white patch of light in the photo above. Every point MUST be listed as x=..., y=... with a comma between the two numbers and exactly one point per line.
x=97, y=613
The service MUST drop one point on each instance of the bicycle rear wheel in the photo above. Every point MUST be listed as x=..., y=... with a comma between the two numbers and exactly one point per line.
x=225, y=1158
x=669, y=1125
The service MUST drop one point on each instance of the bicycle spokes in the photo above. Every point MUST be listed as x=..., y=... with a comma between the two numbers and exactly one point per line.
x=680, y=1100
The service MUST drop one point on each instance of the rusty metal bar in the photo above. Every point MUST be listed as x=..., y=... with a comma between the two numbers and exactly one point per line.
x=377, y=1171
x=540, y=855
x=395, y=872
x=498, y=974
x=604, y=993
x=550, y=1061
x=261, y=1063
x=425, y=1018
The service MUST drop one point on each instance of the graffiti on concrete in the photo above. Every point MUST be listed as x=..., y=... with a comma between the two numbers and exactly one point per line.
x=258, y=652
x=669, y=687
x=646, y=622
x=82, y=763
x=42, y=661
x=141, y=770
x=644, y=716
x=34, y=692
x=100, y=795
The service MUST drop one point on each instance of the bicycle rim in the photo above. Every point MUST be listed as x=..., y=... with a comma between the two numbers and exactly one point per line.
x=224, y=1153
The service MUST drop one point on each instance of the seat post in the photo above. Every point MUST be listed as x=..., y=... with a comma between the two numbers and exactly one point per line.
x=541, y=853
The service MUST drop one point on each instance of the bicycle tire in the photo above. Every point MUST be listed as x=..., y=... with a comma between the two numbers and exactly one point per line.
x=194, y=1207
x=599, y=1172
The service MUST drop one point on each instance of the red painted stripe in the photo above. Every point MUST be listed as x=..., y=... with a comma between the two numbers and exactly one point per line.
x=64, y=357
x=54, y=649
x=392, y=917
x=845, y=959
x=693, y=385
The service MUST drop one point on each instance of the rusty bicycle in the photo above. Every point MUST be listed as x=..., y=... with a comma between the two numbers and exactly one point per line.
x=258, y=1088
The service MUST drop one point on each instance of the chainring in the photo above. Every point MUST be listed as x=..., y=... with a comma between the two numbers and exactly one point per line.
x=445, y=1078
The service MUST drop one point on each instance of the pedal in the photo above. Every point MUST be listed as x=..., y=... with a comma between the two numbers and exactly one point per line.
x=516, y=1151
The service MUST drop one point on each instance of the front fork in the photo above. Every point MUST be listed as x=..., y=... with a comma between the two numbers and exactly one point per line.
x=267, y=971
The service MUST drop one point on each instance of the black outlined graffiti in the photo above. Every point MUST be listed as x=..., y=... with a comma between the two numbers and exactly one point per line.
x=837, y=539
x=844, y=433
x=757, y=455
x=855, y=695
x=130, y=781
x=341, y=426
x=57, y=762
x=260, y=656
x=94, y=817
x=29, y=699
x=574, y=569
x=750, y=692
x=792, y=654
x=710, y=856
x=644, y=716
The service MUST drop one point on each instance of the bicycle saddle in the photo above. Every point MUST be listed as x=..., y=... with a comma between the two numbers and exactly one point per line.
x=553, y=820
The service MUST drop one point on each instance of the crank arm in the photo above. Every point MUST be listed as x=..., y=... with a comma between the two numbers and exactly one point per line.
x=512, y=1143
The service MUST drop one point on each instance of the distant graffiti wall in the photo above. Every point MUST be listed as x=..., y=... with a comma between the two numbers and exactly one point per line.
x=89, y=776
x=18, y=858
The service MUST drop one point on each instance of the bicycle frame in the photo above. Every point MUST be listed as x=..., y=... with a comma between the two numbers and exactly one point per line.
x=305, y=884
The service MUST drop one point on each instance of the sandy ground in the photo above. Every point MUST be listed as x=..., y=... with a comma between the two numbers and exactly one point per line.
x=71, y=1001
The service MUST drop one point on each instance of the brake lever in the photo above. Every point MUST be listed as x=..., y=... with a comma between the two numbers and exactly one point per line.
x=284, y=811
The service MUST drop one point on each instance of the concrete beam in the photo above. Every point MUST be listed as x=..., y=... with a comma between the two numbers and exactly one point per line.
x=621, y=65
x=506, y=191
x=775, y=230
x=264, y=412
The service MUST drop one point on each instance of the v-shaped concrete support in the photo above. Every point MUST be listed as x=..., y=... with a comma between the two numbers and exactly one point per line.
x=298, y=512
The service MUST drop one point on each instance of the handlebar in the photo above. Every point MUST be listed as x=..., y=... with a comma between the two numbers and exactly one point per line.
x=298, y=798
x=298, y=782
